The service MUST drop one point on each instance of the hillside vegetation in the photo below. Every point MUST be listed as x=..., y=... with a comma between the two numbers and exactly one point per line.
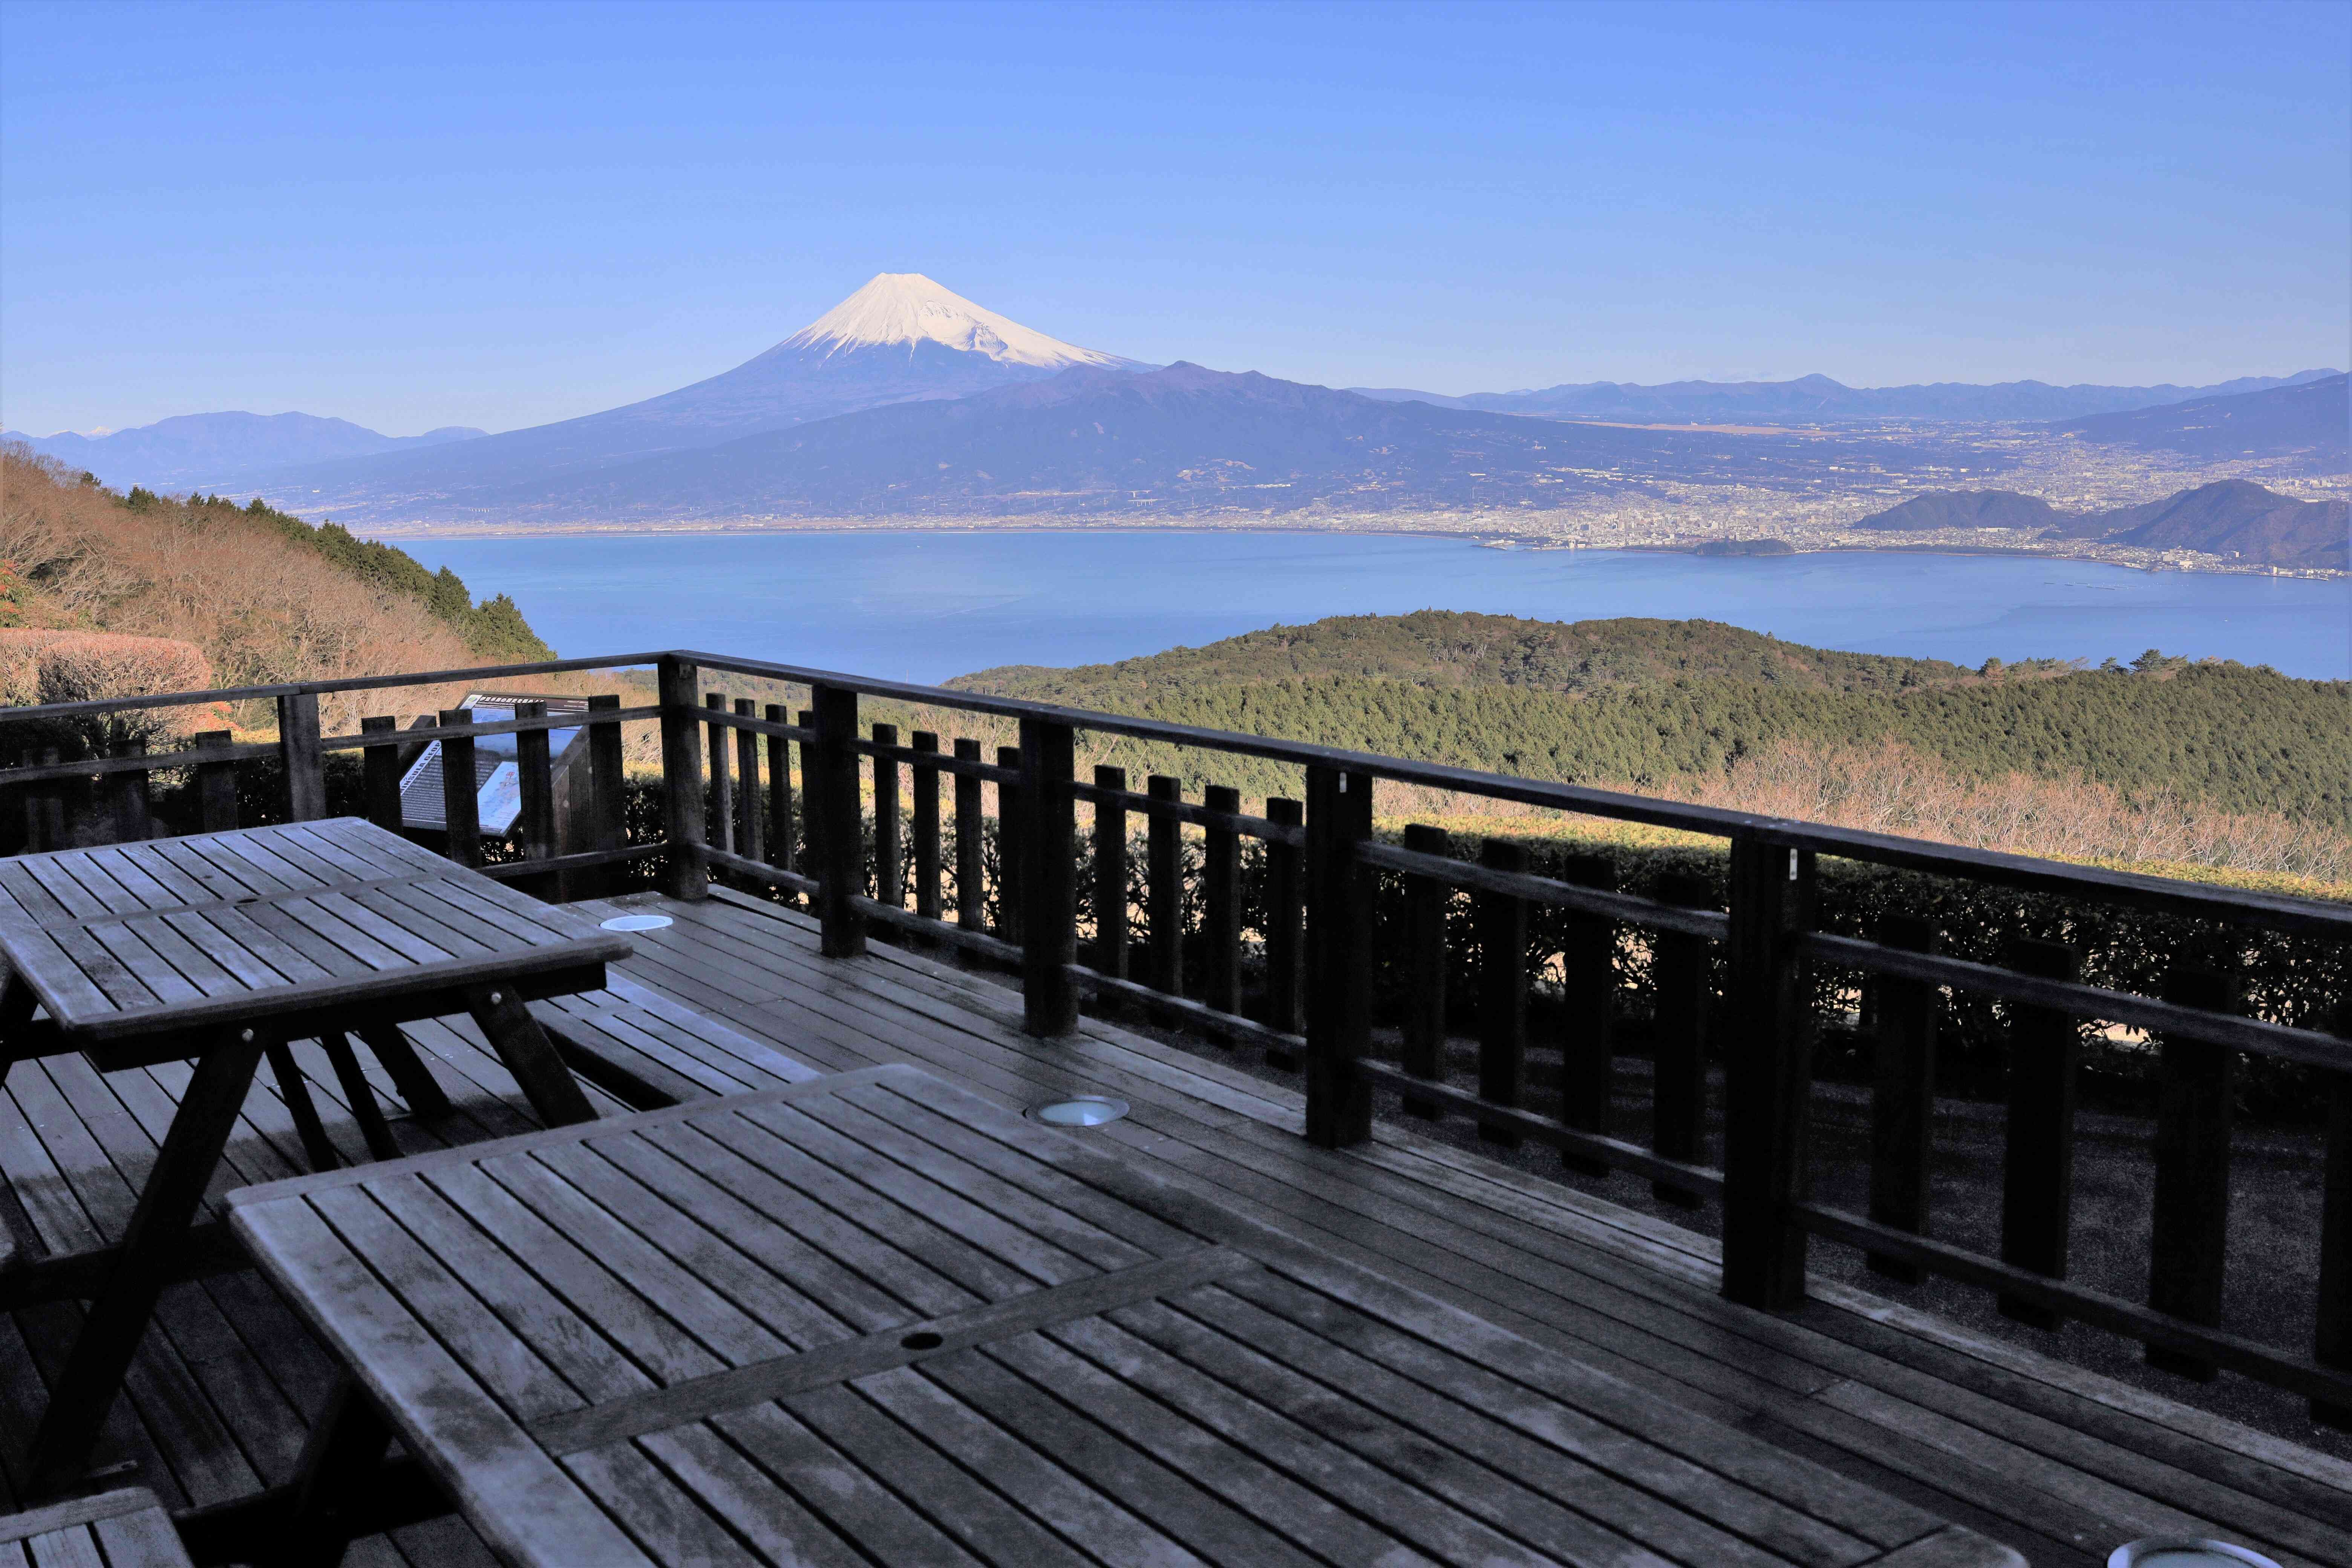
x=1449, y=648
x=264, y=596
x=2164, y=760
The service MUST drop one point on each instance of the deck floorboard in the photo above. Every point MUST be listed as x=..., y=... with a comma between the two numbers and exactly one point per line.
x=2060, y=1462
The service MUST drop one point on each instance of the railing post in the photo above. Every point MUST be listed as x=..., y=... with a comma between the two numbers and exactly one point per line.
x=2332, y=1341
x=889, y=878
x=1502, y=923
x=1220, y=905
x=1588, y=1041
x=686, y=873
x=835, y=811
x=750, y=836
x=1903, y=1096
x=1339, y=956
x=1679, y=975
x=1049, y=942
x=1110, y=875
x=970, y=846
x=1768, y=1074
x=1424, y=1024
x=812, y=831
x=216, y=787
x=461, y=804
x=298, y=749
x=608, y=792
x=780, y=840
x=1163, y=887
x=1010, y=819
x=720, y=829
x=1285, y=903
x=132, y=821
x=2037, y=1198
x=380, y=770
x=535, y=822
x=924, y=783
x=2190, y=1233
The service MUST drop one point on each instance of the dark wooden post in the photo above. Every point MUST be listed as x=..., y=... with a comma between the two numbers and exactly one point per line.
x=780, y=833
x=608, y=793
x=535, y=823
x=685, y=871
x=216, y=787
x=2332, y=1341
x=1423, y=1030
x=1284, y=908
x=1221, y=906
x=2037, y=1178
x=298, y=749
x=1339, y=957
x=751, y=837
x=1502, y=925
x=889, y=882
x=1588, y=1041
x=132, y=821
x=1903, y=1095
x=1768, y=1074
x=1110, y=875
x=1009, y=822
x=926, y=780
x=461, y=803
x=1163, y=887
x=1679, y=974
x=970, y=848
x=721, y=826
x=811, y=830
x=380, y=770
x=1049, y=943
x=2188, y=1237
x=840, y=859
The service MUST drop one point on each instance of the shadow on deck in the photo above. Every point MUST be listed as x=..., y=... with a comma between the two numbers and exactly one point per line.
x=2062, y=1463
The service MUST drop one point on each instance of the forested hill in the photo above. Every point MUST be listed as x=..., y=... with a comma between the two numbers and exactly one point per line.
x=261, y=595
x=1454, y=648
x=2244, y=740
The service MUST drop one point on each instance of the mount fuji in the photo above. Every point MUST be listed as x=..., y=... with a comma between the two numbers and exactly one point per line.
x=902, y=338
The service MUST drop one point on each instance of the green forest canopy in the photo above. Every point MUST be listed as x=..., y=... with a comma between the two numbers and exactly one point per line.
x=1643, y=702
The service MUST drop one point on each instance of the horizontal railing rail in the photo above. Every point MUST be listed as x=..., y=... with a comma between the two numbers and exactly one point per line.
x=1260, y=930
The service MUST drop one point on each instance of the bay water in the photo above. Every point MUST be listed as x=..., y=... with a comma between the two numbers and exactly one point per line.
x=927, y=605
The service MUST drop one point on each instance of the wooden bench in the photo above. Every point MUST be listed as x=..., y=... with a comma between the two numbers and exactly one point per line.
x=645, y=1049
x=125, y=1528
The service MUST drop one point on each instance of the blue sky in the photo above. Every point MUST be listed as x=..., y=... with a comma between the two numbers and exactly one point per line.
x=412, y=215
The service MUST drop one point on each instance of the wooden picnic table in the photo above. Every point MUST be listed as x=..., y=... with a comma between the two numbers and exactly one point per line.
x=875, y=1319
x=221, y=948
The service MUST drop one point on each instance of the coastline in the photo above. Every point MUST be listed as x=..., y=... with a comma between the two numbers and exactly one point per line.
x=1467, y=529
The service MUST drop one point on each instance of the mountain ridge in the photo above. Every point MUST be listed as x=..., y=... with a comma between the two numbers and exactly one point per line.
x=1819, y=399
x=2227, y=517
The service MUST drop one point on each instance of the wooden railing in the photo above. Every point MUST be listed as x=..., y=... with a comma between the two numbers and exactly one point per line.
x=730, y=810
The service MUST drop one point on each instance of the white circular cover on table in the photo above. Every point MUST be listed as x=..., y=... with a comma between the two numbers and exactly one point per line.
x=634, y=923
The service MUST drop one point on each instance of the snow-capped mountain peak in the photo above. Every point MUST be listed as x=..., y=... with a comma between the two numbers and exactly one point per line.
x=909, y=308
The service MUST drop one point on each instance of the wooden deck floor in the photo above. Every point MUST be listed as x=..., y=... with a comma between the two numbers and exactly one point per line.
x=2062, y=1463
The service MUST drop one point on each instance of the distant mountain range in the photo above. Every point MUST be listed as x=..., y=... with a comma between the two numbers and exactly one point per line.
x=2310, y=419
x=908, y=400
x=1180, y=441
x=2232, y=518
x=899, y=338
x=1815, y=399
x=195, y=449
